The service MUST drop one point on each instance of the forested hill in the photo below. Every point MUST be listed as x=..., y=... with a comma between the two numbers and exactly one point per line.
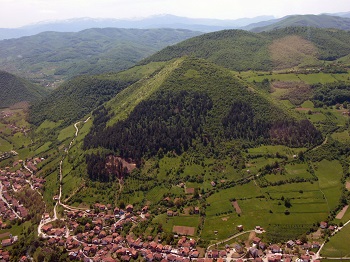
x=284, y=48
x=53, y=56
x=197, y=103
x=319, y=21
x=14, y=89
x=80, y=95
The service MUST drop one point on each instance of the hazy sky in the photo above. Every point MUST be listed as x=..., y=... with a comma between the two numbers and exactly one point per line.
x=14, y=13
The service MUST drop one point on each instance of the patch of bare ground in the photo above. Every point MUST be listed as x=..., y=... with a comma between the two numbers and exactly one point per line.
x=182, y=230
x=236, y=207
x=342, y=212
x=317, y=234
x=3, y=235
x=224, y=218
x=347, y=185
x=291, y=51
x=20, y=105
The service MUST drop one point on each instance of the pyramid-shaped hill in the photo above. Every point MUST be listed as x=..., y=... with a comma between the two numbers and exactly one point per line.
x=195, y=102
x=14, y=89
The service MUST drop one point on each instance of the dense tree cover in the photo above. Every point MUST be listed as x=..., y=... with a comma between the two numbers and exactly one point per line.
x=241, y=50
x=98, y=171
x=92, y=51
x=77, y=97
x=168, y=122
x=14, y=89
x=330, y=93
x=240, y=123
x=198, y=105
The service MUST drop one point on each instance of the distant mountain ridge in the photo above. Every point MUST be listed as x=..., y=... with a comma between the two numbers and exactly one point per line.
x=318, y=21
x=159, y=21
x=52, y=56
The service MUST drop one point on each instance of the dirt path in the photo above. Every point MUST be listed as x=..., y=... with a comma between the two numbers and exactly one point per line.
x=70, y=208
x=342, y=212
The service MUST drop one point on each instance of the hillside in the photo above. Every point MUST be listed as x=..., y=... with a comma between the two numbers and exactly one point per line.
x=51, y=56
x=241, y=50
x=14, y=89
x=156, y=21
x=197, y=101
x=318, y=21
x=80, y=95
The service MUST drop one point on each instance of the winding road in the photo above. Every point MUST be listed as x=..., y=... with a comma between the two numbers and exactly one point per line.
x=55, y=217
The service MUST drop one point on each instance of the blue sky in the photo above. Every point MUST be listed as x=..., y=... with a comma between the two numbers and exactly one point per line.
x=14, y=13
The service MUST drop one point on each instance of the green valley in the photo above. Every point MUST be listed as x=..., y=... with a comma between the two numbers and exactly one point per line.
x=225, y=142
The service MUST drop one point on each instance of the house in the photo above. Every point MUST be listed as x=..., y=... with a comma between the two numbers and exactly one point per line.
x=196, y=210
x=256, y=240
x=239, y=249
x=129, y=208
x=240, y=227
x=46, y=228
x=323, y=225
x=290, y=244
x=6, y=242
x=170, y=213
x=275, y=249
x=254, y=252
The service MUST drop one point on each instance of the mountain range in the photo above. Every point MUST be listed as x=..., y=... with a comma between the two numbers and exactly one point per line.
x=163, y=21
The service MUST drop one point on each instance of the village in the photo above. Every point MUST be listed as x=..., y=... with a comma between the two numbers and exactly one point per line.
x=104, y=233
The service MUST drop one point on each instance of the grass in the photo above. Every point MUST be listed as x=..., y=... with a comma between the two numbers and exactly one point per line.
x=343, y=137
x=125, y=101
x=5, y=146
x=47, y=125
x=337, y=246
x=45, y=147
x=169, y=222
x=275, y=149
x=66, y=133
x=329, y=174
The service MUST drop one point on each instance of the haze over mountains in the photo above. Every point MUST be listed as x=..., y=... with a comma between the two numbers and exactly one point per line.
x=158, y=21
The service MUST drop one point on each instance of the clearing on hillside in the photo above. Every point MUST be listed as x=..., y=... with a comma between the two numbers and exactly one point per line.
x=236, y=206
x=290, y=51
x=342, y=212
x=182, y=230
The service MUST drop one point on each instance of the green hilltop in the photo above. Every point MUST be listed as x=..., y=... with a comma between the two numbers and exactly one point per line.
x=53, y=56
x=241, y=50
x=14, y=89
x=318, y=21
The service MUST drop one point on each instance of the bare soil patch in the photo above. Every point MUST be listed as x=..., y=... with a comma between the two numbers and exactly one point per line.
x=224, y=218
x=342, y=212
x=347, y=185
x=182, y=230
x=190, y=190
x=291, y=51
x=303, y=109
x=236, y=206
x=3, y=235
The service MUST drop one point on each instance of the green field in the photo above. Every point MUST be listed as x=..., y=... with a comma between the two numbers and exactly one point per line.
x=338, y=246
x=329, y=174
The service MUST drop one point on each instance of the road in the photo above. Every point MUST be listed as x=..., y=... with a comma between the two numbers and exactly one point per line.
x=317, y=255
x=230, y=238
x=55, y=217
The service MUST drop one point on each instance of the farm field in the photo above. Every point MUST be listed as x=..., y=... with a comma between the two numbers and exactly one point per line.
x=337, y=246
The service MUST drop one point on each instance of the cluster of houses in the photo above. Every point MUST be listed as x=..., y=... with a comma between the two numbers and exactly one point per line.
x=96, y=235
x=14, y=179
